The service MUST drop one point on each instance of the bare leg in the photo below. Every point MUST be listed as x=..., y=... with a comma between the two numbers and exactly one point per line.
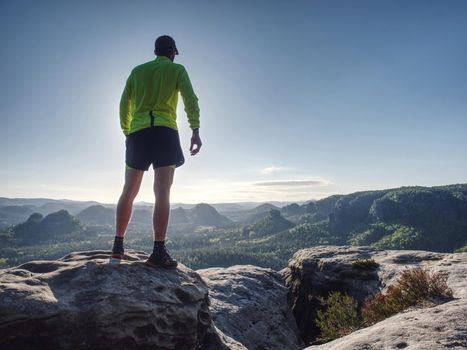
x=163, y=178
x=133, y=180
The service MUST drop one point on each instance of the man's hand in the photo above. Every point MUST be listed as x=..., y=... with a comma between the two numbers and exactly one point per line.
x=195, y=140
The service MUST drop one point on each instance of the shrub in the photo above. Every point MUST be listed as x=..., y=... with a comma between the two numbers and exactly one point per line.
x=418, y=285
x=414, y=286
x=381, y=306
x=364, y=263
x=339, y=317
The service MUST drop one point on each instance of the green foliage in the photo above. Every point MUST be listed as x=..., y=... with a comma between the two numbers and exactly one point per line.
x=425, y=218
x=414, y=286
x=419, y=206
x=352, y=211
x=224, y=257
x=339, y=317
x=371, y=234
x=324, y=207
x=402, y=238
x=461, y=250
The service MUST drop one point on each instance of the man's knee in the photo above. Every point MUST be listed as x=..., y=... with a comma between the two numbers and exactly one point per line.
x=128, y=197
x=163, y=183
x=133, y=178
x=130, y=191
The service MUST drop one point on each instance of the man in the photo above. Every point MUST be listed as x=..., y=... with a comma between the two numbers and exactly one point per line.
x=148, y=120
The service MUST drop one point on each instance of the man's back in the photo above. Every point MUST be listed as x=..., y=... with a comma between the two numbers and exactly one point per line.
x=148, y=119
x=153, y=87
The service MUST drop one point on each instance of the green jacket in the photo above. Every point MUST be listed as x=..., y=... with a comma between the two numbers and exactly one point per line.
x=152, y=88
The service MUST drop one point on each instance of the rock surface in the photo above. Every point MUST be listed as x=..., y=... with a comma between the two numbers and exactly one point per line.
x=81, y=302
x=316, y=271
x=249, y=303
x=215, y=339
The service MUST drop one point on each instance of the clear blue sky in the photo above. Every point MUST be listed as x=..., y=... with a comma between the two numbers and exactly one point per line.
x=298, y=99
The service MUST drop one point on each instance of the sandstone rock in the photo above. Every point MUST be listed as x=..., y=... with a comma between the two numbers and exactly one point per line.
x=249, y=304
x=81, y=302
x=314, y=272
x=215, y=339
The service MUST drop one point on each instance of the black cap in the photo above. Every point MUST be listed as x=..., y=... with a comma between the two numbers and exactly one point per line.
x=165, y=45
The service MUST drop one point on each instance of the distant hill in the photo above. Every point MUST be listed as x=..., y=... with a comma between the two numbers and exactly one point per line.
x=38, y=228
x=18, y=210
x=265, y=207
x=427, y=218
x=272, y=223
x=25, y=201
x=296, y=213
x=420, y=218
x=200, y=214
x=414, y=217
x=205, y=214
x=239, y=206
x=179, y=216
x=252, y=215
x=97, y=215
x=293, y=210
x=46, y=206
x=13, y=214
x=222, y=208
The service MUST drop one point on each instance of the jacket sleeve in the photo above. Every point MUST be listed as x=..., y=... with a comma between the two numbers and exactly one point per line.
x=126, y=107
x=190, y=100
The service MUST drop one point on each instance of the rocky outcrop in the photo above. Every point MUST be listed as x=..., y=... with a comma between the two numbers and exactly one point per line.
x=81, y=302
x=215, y=339
x=316, y=271
x=249, y=304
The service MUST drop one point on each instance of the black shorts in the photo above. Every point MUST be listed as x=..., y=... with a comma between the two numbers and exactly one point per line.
x=157, y=145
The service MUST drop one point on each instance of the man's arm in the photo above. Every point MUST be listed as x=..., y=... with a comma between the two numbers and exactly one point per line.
x=126, y=107
x=190, y=100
